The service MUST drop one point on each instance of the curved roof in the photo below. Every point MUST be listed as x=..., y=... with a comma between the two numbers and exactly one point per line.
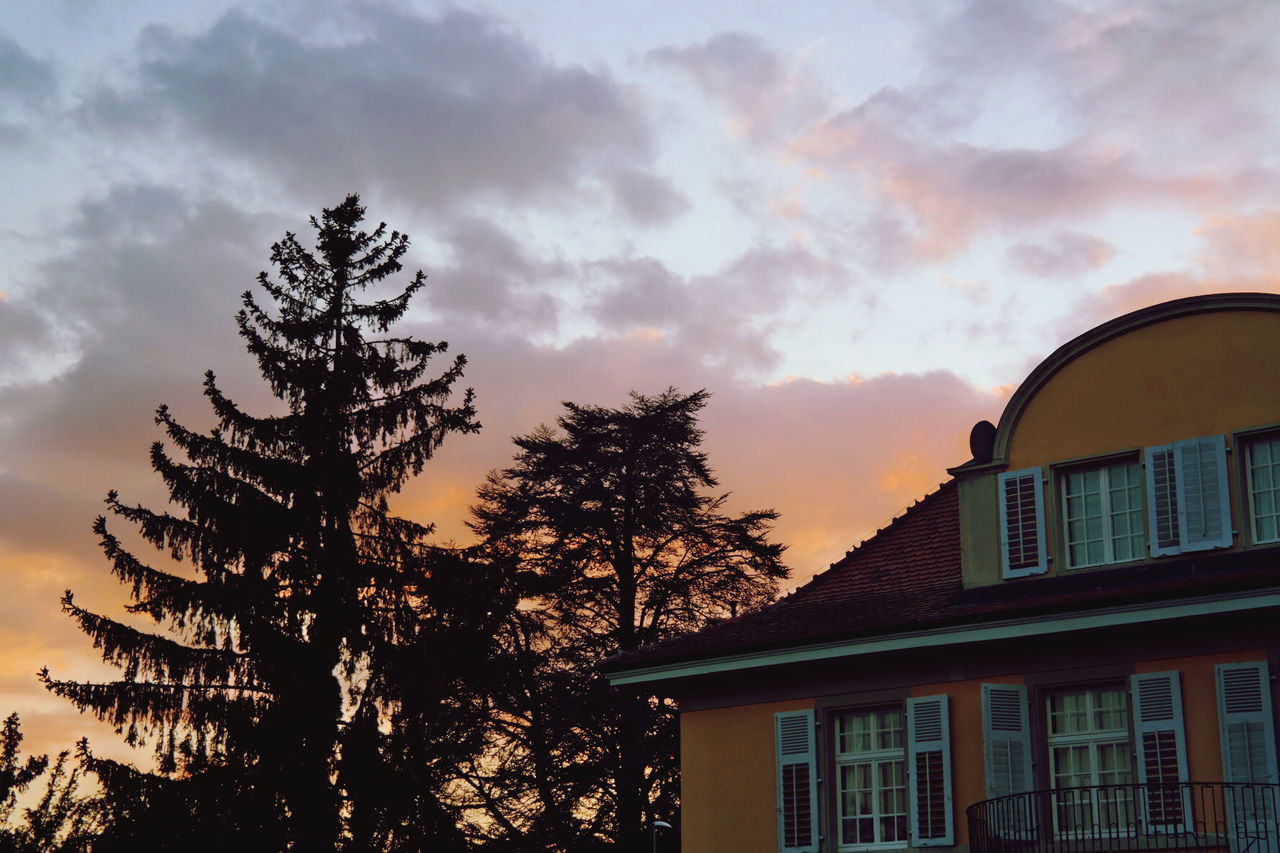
x=1098, y=335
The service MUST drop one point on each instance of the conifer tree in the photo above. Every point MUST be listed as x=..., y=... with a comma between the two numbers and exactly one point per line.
x=609, y=524
x=296, y=693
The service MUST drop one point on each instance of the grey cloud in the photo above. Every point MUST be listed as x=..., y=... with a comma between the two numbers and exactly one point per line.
x=494, y=279
x=722, y=319
x=762, y=90
x=143, y=303
x=647, y=199
x=639, y=292
x=24, y=78
x=1069, y=253
x=432, y=109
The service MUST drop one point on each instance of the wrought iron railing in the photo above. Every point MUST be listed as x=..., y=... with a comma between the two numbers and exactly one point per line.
x=1233, y=818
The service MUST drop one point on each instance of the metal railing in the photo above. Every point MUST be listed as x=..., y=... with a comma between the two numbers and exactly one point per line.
x=1209, y=816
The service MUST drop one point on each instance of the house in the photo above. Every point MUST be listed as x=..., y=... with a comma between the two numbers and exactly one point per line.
x=1071, y=644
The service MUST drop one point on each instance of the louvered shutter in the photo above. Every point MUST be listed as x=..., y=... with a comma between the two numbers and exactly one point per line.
x=1162, y=501
x=1162, y=749
x=1022, y=549
x=929, y=766
x=1006, y=739
x=1189, y=505
x=797, y=776
x=1248, y=755
x=1244, y=717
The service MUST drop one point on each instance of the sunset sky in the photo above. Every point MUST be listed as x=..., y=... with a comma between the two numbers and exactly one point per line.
x=858, y=224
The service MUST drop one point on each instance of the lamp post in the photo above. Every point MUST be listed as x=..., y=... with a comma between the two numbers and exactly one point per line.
x=658, y=824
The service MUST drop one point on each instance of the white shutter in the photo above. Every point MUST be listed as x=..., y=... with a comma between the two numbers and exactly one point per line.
x=1244, y=719
x=797, y=795
x=1006, y=739
x=1248, y=755
x=1022, y=548
x=1162, y=749
x=1189, y=505
x=929, y=767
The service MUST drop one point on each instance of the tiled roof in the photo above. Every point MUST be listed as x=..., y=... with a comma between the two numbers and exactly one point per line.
x=907, y=574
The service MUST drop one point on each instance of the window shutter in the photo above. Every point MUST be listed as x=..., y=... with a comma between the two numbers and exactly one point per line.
x=1245, y=722
x=1207, y=514
x=797, y=797
x=1162, y=748
x=929, y=763
x=1006, y=739
x=1022, y=548
x=1162, y=500
x=1190, y=508
x=1248, y=756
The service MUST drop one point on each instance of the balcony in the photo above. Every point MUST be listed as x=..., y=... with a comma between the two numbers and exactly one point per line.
x=1205, y=816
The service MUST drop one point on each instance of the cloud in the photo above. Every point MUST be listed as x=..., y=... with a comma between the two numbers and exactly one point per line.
x=433, y=110
x=726, y=318
x=647, y=199
x=495, y=279
x=1242, y=250
x=27, y=88
x=762, y=90
x=1068, y=254
x=23, y=78
x=938, y=195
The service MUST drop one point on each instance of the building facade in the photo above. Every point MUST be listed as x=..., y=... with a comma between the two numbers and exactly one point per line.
x=1070, y=644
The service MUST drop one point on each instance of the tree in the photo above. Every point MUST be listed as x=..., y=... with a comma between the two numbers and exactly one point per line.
x=62, y=821
x=618, y=545
x=305, y=642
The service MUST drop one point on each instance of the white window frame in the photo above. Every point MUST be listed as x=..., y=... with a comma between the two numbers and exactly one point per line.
x=924, y=757
x=1091, y=738
x=875, y=757
x=1273, y=443
x=1104, y=471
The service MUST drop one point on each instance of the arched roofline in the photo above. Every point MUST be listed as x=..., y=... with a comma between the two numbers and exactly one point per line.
x=1098, y=335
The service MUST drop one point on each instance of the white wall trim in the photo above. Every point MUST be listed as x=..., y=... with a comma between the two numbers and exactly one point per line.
x=1002, y=630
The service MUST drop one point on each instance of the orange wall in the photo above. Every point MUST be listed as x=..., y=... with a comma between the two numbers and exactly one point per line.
x=728, y=787
x=1183, y=377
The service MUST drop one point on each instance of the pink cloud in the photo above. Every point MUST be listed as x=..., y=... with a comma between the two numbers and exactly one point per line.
x=1067, y=254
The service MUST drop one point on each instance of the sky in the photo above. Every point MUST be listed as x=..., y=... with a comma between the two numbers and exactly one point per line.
x=858, y=224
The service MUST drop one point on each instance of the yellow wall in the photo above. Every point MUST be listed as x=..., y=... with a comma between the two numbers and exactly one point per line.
x=728, y=786
x=1185, y=377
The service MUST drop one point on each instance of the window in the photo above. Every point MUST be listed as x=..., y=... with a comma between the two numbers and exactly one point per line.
x=1088, y=732
x=892, y=772
x=1102, y=513
x=871, y=775
x=1096, y=736
x=1263, y=468
x=1101, y=509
